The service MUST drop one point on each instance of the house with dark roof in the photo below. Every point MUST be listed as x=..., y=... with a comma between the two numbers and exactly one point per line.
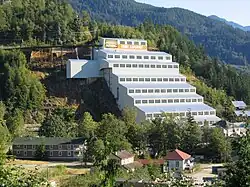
x=64, y=149
x=126, y=160
x=177, y=160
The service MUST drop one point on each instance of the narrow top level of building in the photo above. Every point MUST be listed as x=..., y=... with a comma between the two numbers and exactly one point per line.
x=123, y=44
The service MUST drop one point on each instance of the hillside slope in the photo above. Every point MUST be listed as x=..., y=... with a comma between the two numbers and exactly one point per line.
x=219, y=39
x=231, y=23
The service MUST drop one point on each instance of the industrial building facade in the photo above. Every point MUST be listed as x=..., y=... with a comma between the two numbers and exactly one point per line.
x=147, y=80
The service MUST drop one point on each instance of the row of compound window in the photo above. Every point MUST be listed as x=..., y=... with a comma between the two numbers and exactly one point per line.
x=51, y=153
x=157, y=101
x=145, y=66
x=152, y=80
x=132, y=42
x=131, y=91
x=133, y=57
x=69, y=146
x=183, y=114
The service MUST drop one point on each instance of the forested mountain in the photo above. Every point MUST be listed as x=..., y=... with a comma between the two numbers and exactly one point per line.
x=233, y=24
x=219, y=39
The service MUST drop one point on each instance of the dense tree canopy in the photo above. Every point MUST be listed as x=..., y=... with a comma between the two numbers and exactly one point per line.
x=44, y=21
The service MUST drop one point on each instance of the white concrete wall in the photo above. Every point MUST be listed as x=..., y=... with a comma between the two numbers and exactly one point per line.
x=143, y=71
x=172, y=165
x=82, y=69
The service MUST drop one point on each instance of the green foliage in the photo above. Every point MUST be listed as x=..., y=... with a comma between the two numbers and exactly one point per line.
x=15, y=123
x=40, y=153
x=238, y=172
x=5, y=138
x=19, y=177
x=19, y=87
x=34, y=22
x=59, y=124
x=87, y=126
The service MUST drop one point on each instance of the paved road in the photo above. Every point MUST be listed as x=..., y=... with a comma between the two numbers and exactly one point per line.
x=206, y=171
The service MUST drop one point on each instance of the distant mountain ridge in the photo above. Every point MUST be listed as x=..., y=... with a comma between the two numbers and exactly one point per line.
x=218, y=38
x=233, y=24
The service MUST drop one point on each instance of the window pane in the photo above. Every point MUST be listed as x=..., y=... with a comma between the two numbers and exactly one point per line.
x=122, y=42
x=165, y=79
x=171, y=80
x=160, y=57
x=122, y=65
x=122, y=79
x=146, y=66
x=128, y=79
x=177, y=80
x=175, y=90
x=116, y=65
x=143, y=43
x=134, y=65
x=144, y=91
x=157, y=91
x=170, y=101
x=128, y=65
x=132, y=57
x=151, y=91
x=163, y=91
x=138, y=57
x=117, y=56
x=164, y=66
x=151, y=101
x=153, y=57
x=169, y=90
x=137, y=101
x=144, y=101
x=146, y=57
x=147, y=79
x=152, y=66
x=175, y=66
x=157, y=101
x=135, y=79
x=137, y=91
x=158, y=66
x=124, y=56
x=136, y=43
x=110, y=56
x=129, y=43
x=170, y=66
x=141, y=66
x=153, y=79
x=164, y=101
x=131, y=91
x=141, y=79
x=159, y=79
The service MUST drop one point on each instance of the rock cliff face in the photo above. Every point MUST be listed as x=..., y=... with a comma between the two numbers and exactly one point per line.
x=88, y=95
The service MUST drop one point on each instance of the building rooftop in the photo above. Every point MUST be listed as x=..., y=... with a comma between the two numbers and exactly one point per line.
x=133, y=52
x=126, y=39
x=241, y=104
x=241, y=113
x=158, y=85
x=207, y=118
x=46, y=141
x=177, y=155
x=123, y=154
x=147, y=75
x=175, y=108
x=167, y=96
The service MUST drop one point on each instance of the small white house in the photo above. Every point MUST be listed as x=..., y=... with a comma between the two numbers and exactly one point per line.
x=177, y=160
x=126, y=159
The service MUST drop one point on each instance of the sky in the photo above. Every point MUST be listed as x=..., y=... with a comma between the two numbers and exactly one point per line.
x=232, y=10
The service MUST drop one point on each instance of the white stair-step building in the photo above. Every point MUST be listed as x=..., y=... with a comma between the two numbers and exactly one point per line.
x=147, y=80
